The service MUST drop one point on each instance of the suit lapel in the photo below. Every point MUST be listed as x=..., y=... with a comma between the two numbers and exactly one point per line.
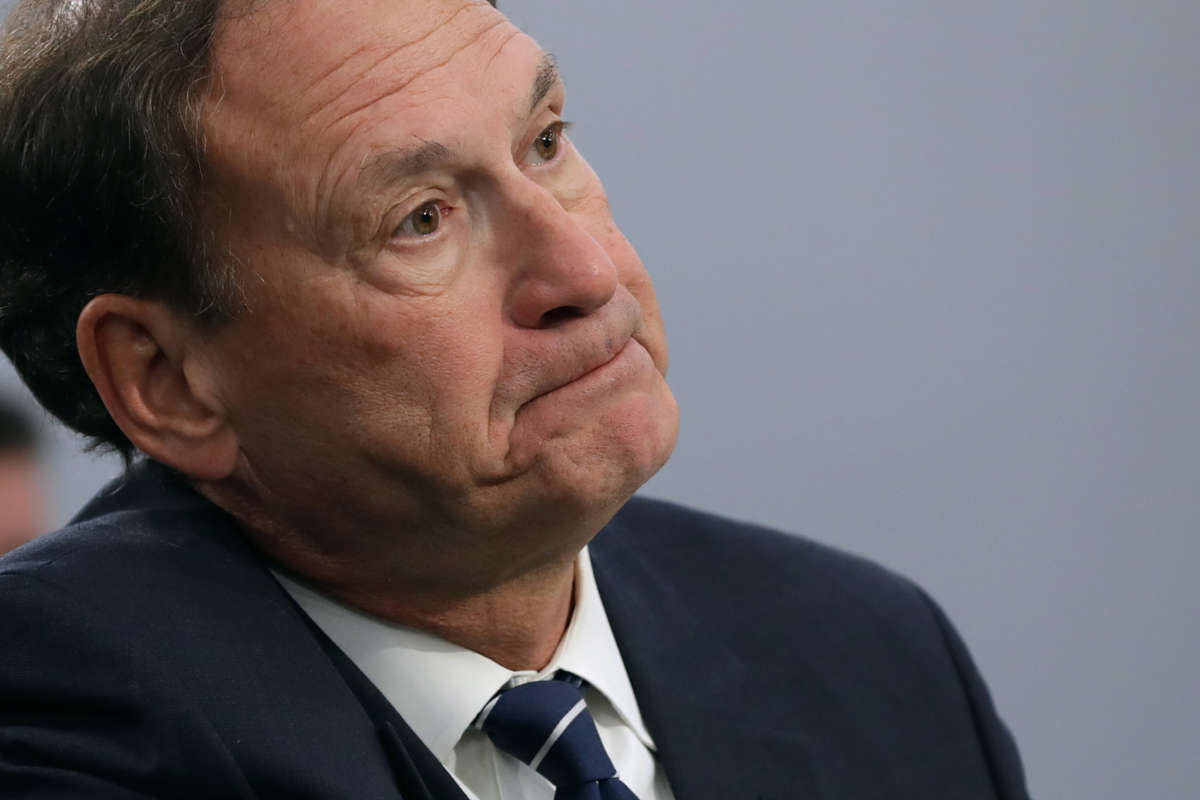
x=697, y=697
x=219, y=552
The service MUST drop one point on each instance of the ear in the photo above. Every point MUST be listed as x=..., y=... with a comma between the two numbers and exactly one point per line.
x=142, y=357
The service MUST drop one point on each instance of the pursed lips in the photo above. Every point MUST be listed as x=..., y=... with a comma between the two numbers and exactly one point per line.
x=588, y=369
x=540, y=361
x=559, y=357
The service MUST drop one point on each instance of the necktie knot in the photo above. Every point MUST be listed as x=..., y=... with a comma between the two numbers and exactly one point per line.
x=546, y=725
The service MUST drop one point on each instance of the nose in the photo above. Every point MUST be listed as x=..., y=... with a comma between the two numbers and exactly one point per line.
x=559, y=270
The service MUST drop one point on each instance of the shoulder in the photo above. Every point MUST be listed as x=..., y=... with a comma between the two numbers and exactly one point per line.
x=93, y=619
x=148, y=644
x=791, y=607
x=755, y=563
x=653, y=524
x=146, y=534
x=143, y=574
x=145, y=555
x=148, y=565
x=859, y=647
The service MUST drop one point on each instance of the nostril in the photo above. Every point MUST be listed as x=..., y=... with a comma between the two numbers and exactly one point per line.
x=557, y=316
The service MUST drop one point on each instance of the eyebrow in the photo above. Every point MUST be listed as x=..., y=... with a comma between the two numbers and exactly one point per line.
x=394, y=165
x=547, y=77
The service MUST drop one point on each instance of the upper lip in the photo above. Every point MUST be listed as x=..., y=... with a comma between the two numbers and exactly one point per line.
x=600, y=354
x=588, y=369
x=563, y=356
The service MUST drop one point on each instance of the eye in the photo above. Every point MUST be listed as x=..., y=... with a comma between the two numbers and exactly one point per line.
x=546, y=146
x=423, y=222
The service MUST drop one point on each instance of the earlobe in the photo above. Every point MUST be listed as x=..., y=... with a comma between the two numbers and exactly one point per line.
x=136, y=352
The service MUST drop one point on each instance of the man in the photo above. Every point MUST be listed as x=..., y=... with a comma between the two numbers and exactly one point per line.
x=337, y=271
x=22, y=508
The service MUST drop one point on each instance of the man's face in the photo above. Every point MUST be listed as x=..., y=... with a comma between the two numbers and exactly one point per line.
x=446, y=327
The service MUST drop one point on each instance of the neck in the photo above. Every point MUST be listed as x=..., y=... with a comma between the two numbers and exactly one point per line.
x=517, y=624
x=511, y=609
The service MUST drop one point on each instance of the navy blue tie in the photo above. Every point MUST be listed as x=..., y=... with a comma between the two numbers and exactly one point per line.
x=547, y=725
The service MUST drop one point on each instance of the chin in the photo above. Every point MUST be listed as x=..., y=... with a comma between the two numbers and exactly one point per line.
x=597, y=471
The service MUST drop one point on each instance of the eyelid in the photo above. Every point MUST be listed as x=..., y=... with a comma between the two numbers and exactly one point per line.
x=445, y=210
x=560, y=126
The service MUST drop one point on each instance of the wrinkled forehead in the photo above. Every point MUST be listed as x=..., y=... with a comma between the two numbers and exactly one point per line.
x=302, y=54
x=303, y=91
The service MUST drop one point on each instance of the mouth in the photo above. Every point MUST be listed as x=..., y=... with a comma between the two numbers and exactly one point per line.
x=589, y=373
x=561, y=369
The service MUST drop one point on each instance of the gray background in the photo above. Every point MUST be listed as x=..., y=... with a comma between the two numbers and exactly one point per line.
x=929, y=271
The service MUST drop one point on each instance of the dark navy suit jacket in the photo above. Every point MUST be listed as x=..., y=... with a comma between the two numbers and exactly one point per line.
x=148, y=652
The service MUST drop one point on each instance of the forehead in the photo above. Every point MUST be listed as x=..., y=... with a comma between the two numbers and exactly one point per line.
x=311, y=75
x=280, y=51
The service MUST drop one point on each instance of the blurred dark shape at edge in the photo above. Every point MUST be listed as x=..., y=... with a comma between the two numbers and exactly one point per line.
x=22, y=496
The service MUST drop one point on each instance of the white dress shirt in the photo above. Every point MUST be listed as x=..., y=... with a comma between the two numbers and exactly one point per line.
x=439, y=688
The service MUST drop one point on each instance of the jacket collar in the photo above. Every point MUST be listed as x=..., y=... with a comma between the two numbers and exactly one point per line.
x=150, y=488
x=696, y=695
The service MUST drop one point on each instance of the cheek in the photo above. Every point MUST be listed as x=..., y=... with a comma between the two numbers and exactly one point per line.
x=372, y=389
x=432, y=360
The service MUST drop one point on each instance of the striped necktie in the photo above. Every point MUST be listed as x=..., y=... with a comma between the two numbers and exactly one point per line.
x=547, y=725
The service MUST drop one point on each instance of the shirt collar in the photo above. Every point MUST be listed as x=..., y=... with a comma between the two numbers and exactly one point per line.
x=439, y=687
x=589, y=650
